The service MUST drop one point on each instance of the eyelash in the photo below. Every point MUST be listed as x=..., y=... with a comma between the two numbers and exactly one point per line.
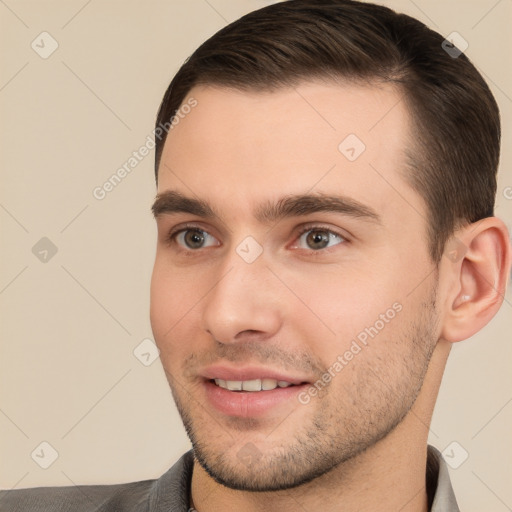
x=171, y=237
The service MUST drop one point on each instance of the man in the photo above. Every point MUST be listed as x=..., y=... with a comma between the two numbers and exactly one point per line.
x=325, y=234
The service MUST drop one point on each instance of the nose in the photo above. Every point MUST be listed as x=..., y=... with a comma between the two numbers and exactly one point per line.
x=244, y=303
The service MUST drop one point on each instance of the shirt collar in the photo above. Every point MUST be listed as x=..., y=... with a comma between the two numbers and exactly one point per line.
x=439, y=487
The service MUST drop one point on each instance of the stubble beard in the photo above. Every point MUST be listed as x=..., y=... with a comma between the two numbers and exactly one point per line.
x=340, y=427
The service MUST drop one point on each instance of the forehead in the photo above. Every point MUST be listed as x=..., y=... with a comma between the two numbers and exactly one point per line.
x=240, y=148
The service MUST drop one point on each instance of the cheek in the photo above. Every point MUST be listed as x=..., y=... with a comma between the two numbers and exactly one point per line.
x=342, y=303
x=173, y=296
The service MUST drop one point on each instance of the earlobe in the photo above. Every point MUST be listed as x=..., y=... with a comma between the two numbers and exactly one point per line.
x=478, y=279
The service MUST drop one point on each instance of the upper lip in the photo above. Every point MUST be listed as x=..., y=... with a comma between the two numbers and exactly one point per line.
x=249, y=373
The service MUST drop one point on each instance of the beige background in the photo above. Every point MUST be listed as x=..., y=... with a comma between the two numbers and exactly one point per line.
x=68, y=374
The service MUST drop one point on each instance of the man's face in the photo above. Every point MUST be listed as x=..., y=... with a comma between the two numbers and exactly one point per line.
x=342, y=298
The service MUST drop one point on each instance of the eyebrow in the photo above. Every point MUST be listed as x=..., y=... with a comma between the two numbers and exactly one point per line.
x=172, y=202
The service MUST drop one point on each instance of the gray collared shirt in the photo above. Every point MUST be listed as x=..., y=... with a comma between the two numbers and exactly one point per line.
x=170, y=492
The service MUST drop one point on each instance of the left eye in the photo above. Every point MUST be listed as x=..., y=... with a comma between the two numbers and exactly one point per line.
x=319, y=238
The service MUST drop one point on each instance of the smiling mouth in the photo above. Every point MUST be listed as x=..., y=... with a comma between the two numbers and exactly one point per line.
x=253, y=385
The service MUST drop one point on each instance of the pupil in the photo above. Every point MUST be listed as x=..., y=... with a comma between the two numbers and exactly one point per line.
x=195, y=238
x=318, y=237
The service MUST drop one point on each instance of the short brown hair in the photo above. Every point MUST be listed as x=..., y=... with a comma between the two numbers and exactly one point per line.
x=454, y=161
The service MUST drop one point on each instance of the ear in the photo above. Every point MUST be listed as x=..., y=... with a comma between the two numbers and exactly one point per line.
x=476, y=267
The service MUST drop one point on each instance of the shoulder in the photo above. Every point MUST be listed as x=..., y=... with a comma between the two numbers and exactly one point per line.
x=131, y=496
x=169, y=493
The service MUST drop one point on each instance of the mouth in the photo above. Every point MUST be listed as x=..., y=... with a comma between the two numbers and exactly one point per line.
x=251, y=391
x=252, y=398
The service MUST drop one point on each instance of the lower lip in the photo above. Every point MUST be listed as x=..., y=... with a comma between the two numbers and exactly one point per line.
x=245, y=404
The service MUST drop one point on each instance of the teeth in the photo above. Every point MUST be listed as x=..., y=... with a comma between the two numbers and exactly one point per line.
x=252, y=385
x=234, y=385
x=267, y=384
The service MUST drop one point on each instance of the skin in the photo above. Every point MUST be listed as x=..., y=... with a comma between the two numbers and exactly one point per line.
x=360, y=444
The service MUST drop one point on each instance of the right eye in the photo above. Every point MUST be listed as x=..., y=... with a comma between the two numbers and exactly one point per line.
x=190, y=238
